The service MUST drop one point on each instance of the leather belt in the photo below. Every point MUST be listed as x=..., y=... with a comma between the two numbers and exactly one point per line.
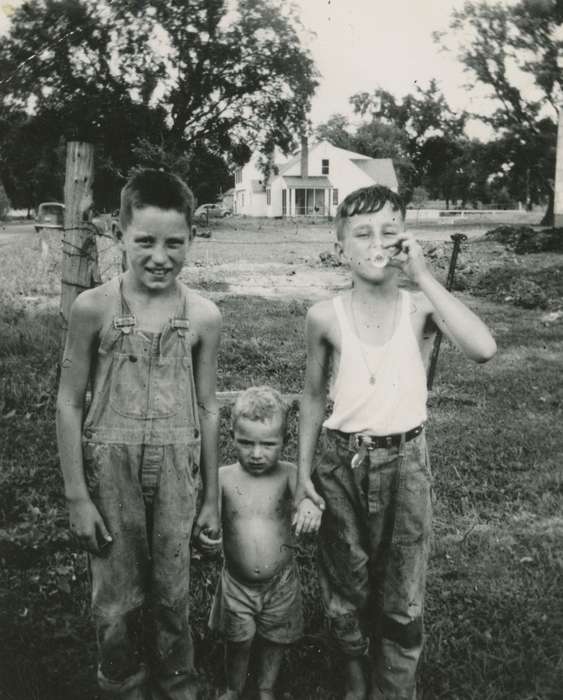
x=355, y=441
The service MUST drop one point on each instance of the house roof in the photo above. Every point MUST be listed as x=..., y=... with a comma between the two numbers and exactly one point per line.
x=380, y=170
x=312, y=181
x=257, y=186
x=283, y=167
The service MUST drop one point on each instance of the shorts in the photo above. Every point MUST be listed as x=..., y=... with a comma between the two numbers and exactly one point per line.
x=272, y=609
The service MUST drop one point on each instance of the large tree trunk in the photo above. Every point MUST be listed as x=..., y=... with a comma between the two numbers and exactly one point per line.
x=549, y=216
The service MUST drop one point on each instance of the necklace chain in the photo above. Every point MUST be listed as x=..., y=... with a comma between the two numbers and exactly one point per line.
x=372, y=375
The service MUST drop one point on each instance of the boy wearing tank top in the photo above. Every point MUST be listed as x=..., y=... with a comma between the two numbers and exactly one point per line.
x=368, y=348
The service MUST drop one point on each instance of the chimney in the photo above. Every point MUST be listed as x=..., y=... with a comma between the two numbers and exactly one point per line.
x=304, y=157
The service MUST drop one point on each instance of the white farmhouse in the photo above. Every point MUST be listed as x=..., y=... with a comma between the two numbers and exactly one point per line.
x=311, y=183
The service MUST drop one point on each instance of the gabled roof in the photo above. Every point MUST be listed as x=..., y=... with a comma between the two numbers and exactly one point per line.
x=284, y=167
x=380, y=170
x=257, y=186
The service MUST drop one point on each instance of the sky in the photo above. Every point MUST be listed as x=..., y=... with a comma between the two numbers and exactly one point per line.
x=364, y=44
x=359, y=45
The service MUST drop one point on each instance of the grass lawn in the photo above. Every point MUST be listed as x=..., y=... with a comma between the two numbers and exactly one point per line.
x=494, y=613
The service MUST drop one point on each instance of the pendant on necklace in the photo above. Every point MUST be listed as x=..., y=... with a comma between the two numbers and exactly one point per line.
x=372, y=379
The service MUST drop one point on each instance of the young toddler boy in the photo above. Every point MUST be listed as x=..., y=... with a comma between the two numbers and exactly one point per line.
x=373, y=477
x=258, y=592
x=147, y=348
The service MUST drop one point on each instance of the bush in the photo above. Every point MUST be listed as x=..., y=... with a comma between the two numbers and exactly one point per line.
x=524, y=239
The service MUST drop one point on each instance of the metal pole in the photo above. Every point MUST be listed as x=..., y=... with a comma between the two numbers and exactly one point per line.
x=457, y=239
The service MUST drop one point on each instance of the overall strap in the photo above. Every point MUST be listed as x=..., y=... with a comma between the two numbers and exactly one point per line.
x=181, y=322
x=122, y=322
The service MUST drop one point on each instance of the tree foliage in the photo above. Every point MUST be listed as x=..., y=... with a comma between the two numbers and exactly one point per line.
x=204, y=77
x=400, y=130
x=512, y=51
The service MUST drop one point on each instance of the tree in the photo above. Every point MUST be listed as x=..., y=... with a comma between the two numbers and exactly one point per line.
x=198, y=76
x=504, y=48
x=5, y=203
x=336, y=130
x=398, y=129
x=417, y=115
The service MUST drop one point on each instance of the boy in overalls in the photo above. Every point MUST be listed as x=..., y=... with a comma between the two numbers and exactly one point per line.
x=373, y=477
x=147, y=348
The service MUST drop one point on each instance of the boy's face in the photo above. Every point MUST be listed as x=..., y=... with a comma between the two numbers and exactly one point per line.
x=365, y=238
x=258, y=444
x=156, y=241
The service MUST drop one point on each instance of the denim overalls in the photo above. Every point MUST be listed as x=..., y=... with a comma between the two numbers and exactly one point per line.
x=141, y=452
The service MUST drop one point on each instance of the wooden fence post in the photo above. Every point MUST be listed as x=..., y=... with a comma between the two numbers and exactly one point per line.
x=80, y=257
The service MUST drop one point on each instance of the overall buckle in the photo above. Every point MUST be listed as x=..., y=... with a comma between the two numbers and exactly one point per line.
x=124, y=323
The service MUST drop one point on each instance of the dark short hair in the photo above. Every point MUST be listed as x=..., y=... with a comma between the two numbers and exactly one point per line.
x=366, y=200
x=155, y=188
x=260, y=403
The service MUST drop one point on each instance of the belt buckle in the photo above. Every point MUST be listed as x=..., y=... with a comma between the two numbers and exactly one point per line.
x=365, y=441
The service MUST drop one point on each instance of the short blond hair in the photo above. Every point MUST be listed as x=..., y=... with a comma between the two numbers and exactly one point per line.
x=260, y=403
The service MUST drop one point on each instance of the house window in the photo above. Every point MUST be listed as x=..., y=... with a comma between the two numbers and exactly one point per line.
x=238, y=176
x=324, y=166
x=335, y=197
x=268, y=196
x=309, y=202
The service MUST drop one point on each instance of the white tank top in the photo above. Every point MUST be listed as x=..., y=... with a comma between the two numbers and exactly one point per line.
x=397, y=401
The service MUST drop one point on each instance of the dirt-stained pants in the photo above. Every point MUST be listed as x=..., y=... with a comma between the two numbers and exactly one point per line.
x=140, y=584
x=374, y=546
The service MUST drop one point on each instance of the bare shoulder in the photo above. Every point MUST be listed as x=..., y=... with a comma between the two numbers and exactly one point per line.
x=201, y=308
x=227, y=473
x=91, y=307
x=204, y=314
x=321, y=316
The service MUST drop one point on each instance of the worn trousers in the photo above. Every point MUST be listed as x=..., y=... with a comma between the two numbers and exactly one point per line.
x=140, y=582
x=373, y=552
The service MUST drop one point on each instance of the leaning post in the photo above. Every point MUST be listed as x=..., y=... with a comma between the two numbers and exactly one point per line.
x=80, y=258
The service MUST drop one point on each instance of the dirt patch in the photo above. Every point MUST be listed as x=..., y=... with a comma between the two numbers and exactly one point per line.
x=279, y=281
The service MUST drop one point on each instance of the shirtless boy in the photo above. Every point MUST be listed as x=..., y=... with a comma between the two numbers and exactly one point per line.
x=259, y=591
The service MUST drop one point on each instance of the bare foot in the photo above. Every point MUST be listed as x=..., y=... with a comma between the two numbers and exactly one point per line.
x=356, y=686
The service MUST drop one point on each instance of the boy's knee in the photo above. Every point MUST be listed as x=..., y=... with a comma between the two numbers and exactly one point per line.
x=407, y=635
x=120, y=642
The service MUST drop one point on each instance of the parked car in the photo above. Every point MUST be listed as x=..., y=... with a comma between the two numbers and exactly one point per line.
x=50, y=215
x=211, y=211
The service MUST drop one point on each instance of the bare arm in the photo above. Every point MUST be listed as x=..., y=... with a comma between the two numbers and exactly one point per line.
x=464, y=328
x=313, y=402
x=205, y=376
x=307, y=516
x=84, y=519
